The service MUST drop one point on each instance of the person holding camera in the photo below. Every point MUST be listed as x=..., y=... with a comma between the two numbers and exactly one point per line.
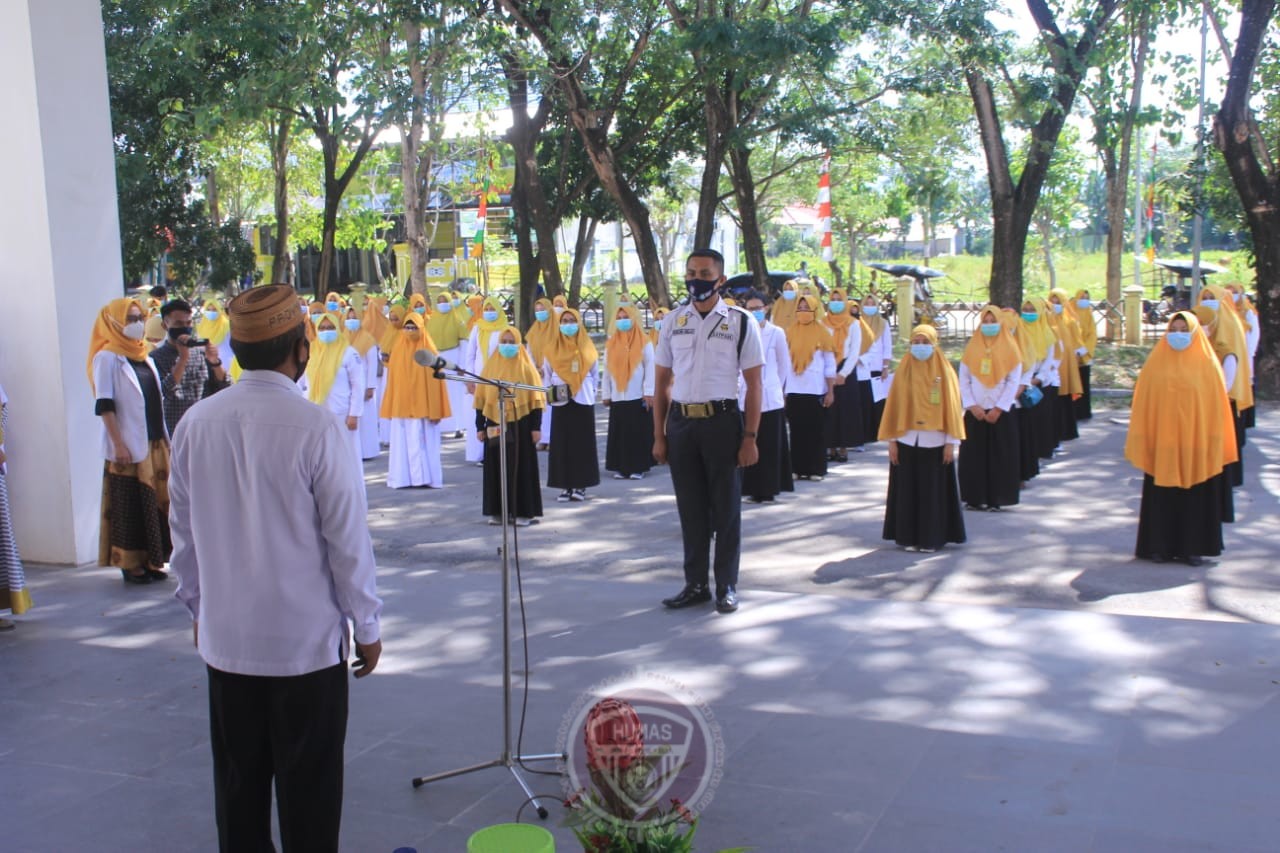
x=190, y=367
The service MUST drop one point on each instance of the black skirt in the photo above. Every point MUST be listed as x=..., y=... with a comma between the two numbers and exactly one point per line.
x=1028, y=460
x=772, y=474
x=1065, y=410
x=1178, y=523
x=808, y=451
x=923, y=506
x=1235, y=470
x=524, y=489
x=629, y=447
x=990, y=462
x=871, y=412
x=572, y=461
x=1045, y=422
x=843, y=420
x=1084, y=403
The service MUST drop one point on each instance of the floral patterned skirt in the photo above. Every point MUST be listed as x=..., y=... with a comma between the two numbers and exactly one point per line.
x=135, y=512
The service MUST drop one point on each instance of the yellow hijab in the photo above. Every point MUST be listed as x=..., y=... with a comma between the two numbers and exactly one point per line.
x=991, y=359
x=540, y=331
x=1037, y=339
x=108, y=334
x=658, y=314
x=840, y=322
x=1012, y=323
x=1067, y=329
x=805, y=339
x=488, y=327
x=474, y=303
x=373, y=321
x=1087, y=326
x=326, y=359
x=925, y=395
x=217, y=329
x=393, y=333
x=876, y=324
x=1227, y=338
x=314, y=311
x=361, y=339
x=1244, y=306
x=519, y=369
x=1180, y=427
x=417, y=300
x=447, y=328
x=625, y=350
x=783, y=313
x=571, y=357
x=412, y=391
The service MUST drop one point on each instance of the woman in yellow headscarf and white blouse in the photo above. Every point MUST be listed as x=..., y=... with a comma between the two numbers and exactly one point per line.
x=214, y=326
x=540, y=333
x=448, y=329
x=335, y=379
x=571, y=369
x=924, y=424
x=365, y=344
x=626, y=387
x=809, y=380
x=843, y=418
x=415, y=402
x=1226, y=334
x=1181, y=436
x=990, y=375
x=511, y=363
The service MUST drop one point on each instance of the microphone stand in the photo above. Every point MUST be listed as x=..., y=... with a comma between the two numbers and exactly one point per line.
x=506, y=392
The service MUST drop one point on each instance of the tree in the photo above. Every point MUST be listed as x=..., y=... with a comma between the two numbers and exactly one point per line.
x=1253, y=172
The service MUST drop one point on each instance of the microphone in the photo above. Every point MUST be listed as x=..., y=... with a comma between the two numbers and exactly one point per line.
x=427, y=358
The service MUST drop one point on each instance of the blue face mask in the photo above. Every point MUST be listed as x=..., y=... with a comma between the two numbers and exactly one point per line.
x=508, y=350
x=1211, y=304
x=758, y=314
x=870, y=310
x=789, y=295
x=444, y=307
x=990, y=329
x=921, y=351
x=327, y=336
x=624, y=324
x=1057, y=307
x=1237, y=297
x=541, y=316
x=420, y=309
x=1084, y=304
x=316, y=318
x=489, y=316
x=836, y=307
x=332, y=306
x=657, y=324
x=353, y=325
x=303, y=309
x=457, y=302
x=1030, y=316
x=568, y=329
x=1179, y=340
x=211, y=315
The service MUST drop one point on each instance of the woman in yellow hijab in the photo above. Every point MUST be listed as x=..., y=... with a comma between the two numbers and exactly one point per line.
x=844, y=419
x=365, y=344
x=924, y=424
x=448, y=329
x=511, y=363
x=873, y=366
x=1062, y=317
x=570, y=368
x=482, y=342
x=1181, y=436
x=783, y=312
x=540, y=334
x=315, y=310
x=1042, y=347
x=990, y=376
x=808, y=380
x=214, y=326
x=1225, y=331
x=658, y=314
x=135, y=445
x=1248, y=314
x=415, y=402
x=626, y=387
x=1087, y=324
x=1028, y=460
x=335, y=380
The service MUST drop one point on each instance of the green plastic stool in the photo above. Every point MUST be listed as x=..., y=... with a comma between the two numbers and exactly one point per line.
x=511, y=838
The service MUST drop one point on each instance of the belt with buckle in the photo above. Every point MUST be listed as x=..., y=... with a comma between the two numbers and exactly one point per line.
x=706, y=410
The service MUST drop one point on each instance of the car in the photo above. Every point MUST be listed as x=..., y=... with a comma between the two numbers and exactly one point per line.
x=738, y=286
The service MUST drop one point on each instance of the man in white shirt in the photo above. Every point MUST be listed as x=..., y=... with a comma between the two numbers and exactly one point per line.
x=274, y=560
x=702, y=349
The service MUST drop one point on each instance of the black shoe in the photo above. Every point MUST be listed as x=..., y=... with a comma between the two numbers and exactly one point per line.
x=1195, y=562
x=135, y=577
x=157, y=575
x=566, y=495
x=693, y=593
x=1159, y=558
x=726, y=600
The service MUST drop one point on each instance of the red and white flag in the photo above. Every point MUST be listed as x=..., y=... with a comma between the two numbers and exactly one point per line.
x=824, y=207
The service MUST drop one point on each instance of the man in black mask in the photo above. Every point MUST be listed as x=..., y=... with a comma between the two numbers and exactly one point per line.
x=703, y=349
x=188, y=373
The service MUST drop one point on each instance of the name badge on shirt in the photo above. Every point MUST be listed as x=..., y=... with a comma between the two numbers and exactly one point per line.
x=573, y=366
x=985, y=368
x=935, y=397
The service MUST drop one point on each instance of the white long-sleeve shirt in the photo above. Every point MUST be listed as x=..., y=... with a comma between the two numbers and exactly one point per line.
x=999, y=396
x=852, y=347
x=879, y=354
x=777, y=358
x=639, y=385
x=586, y=391
x=1047, y=369
x=1229, y=367
x=813, y=379
x=270, y=530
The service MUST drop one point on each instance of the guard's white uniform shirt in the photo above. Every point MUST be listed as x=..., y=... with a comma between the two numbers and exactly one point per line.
x=702, y=352
x=270, y=530
x=639, y=384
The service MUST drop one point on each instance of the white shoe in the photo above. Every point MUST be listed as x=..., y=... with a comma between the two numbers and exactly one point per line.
x=619, y=476
x=494, y=520
x=578, y=495
x=636, y=477
x=523, y=522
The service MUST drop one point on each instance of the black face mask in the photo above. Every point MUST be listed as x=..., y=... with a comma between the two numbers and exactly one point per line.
x=178, y=331
x=700, y=289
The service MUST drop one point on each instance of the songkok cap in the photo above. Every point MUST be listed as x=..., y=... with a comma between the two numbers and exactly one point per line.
x=263, y=313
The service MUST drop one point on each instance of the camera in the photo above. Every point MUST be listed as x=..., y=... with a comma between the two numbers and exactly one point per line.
x=193, y=342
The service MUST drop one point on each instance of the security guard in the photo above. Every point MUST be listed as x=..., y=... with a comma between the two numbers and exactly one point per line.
x=698, y=428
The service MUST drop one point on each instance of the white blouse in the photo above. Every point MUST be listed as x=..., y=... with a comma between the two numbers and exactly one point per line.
x=586, y=395
x=999, y=396
x=638, y=386
x=813, y=379
x=777, y=359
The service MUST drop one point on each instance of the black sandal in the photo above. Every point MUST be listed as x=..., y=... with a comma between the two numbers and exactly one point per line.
x=132, y=577
x=157, y=575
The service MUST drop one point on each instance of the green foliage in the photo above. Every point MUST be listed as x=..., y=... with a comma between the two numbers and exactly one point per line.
x=204, y=254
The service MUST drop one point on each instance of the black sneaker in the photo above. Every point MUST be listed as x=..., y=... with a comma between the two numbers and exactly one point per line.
x=578, y=495
x=566, y=495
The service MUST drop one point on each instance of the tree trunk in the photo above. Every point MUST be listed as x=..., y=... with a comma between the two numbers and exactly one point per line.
x=1255, y=185
x=1116, y=170
x=278, y=129
x=718, y=126
x=744, y=192
x=335, y=185
x=211, y=195
x=581, y=247
x=1046, y=246
x=410, y=140
x=836, y=274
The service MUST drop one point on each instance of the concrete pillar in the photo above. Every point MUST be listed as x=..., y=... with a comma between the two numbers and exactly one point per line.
x=906, y=308
x=1133, y=314
x=60, y=240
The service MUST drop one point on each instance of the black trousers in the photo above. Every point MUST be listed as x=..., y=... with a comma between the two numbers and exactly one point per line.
x=291, y=729
x=703, y=456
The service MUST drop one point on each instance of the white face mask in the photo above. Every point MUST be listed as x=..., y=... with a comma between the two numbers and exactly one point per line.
x=135, y=330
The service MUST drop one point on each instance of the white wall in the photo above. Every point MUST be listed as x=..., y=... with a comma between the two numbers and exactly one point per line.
x=60, y=256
